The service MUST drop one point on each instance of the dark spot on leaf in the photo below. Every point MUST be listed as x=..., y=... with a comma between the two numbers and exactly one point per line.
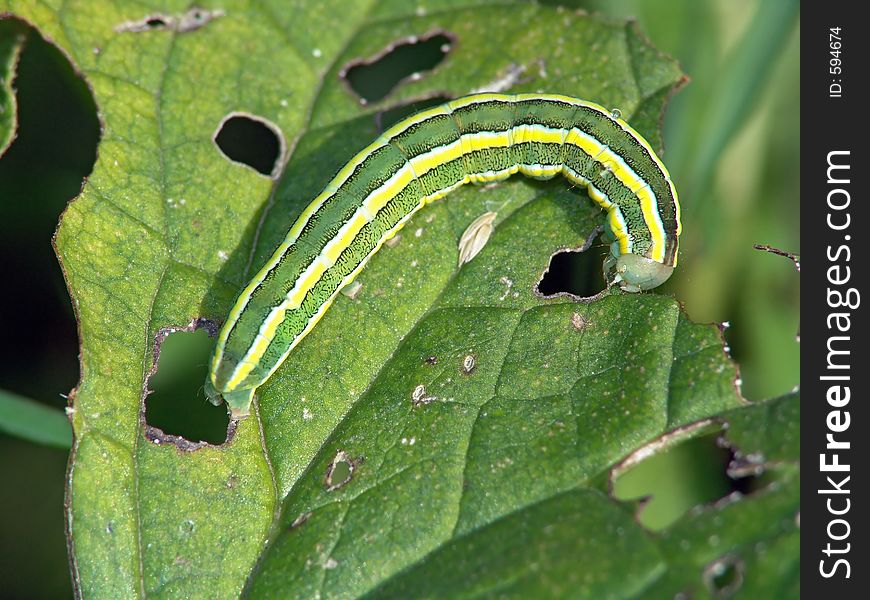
x=155, y=22
x=724, y=576
x=384, y=119
x=251, y=141
x=340, y=471
x=573, y=272
x=403, y=60
x=187, y=527
x=176, y=410
x=431, y=360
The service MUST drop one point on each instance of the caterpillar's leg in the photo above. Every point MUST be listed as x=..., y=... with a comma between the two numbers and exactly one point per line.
x=608, y=266
x=611, y=276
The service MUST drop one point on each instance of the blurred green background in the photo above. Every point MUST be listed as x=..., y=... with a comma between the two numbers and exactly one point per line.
x=732, y=143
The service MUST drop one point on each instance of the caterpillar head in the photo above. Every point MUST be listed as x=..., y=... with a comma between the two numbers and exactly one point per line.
x=636, y=273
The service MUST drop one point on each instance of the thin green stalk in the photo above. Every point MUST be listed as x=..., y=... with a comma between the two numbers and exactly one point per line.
x=34, y=422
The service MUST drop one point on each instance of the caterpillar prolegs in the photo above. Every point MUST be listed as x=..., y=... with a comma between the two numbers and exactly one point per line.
x=475, y=139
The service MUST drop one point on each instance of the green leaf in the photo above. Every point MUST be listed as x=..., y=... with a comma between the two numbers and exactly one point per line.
x=580, y=544
x=33, y=421
x=439, y=404
x=751, y=543
x=576, y=544
x=12, y=36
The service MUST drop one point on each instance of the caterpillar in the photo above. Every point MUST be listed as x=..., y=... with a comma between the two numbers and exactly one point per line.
x=474, y=139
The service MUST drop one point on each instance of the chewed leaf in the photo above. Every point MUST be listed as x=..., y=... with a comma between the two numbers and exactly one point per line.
x=744, y=543
x=12, y=36
x=435, y=411
x=580, y=544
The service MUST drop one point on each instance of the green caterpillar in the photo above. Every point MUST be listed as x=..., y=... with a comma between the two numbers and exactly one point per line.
x=476, y=139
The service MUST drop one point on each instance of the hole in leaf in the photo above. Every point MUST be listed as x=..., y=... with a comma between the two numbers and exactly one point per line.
x=404, y=60
x=340, y=471
x=688, y=474
x=42, y=170
x=177, y=405
x=724, y=576
x=252, y=141
x=385, y=119
x=573, y=272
